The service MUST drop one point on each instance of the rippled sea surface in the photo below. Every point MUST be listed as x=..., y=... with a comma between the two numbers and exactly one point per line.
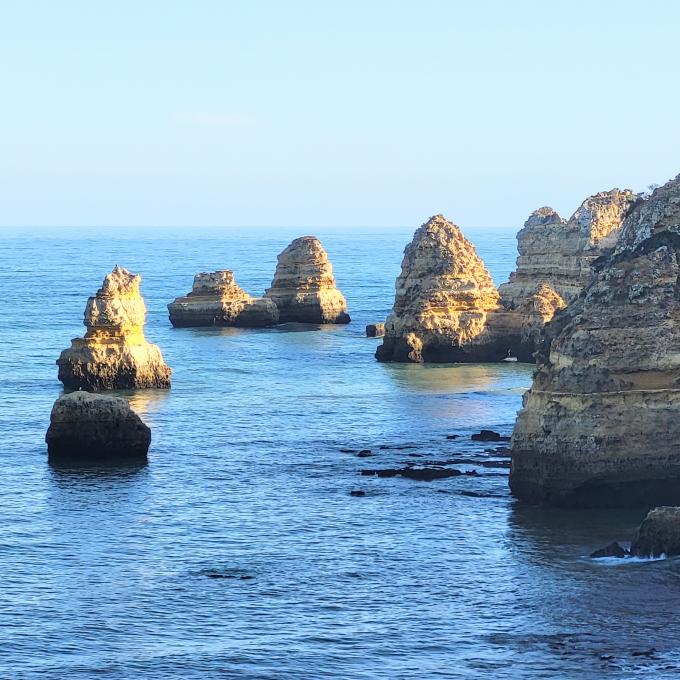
x=238, y=551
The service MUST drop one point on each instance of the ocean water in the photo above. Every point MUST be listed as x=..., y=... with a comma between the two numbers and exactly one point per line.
x=111, y=573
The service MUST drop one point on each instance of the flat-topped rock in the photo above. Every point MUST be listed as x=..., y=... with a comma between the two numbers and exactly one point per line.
x=559, y=253
x=304, y=288
x=87, y=427
x=444, y=296
x=600, y=425
x=114, y=353
x=217, y=300
x=375, y=330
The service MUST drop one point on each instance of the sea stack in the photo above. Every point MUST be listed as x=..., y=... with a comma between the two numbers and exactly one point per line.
x=114, y=353
x=444, y=296
x=303, y=288
x=87, y=428
x=559, y=253
x=600, y=425
x=217, y=300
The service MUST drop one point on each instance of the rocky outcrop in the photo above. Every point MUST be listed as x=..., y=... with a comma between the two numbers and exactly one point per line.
x=601, y=423
x=114, y=353
x=303, y=287
x=375, y=330
x=217, y=300
x=659, y=534
x=87, y=427
x=559, y=253
x=444, y=296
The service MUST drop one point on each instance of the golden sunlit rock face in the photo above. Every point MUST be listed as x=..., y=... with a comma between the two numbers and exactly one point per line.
x=217, y=300
x=601, y=422
x=444, y=296
x=303, y=287
x=559, y=253
x=114, y=353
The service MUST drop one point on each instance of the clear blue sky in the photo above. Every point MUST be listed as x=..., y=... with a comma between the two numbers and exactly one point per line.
x=330, y=113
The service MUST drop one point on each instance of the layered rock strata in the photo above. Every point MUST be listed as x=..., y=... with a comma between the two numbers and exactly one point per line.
x=559, y=253
x=444, y=297
x=87, y=427
x=114, y=353
x=217, y=300
x=304, y=288
x=601, y=423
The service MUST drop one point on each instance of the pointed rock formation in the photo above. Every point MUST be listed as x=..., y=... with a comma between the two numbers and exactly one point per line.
x=560, y=253
x=444, y=296
x=114, y=353
x=217, y=300
x=303, y=288
x=87, y=428
x=601, y=423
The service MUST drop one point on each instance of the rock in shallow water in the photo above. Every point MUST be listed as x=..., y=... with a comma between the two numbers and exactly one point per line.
x=659, y=534
x=87, y=427
x=611, y=550
x=217, y=300
x=375, y=330
x=608, y=379
x=114, y=353
x=303, y=287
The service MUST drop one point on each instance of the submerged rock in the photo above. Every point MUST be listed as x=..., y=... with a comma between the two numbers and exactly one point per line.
x=558, y=254
x=608, y=380
x=87, y=427
x=375, y=330
x=659, y=534
x=611, y=550
x=444, y=296
x=419, y=474
x=304, y=288
x=114, y=353
x=217, y=300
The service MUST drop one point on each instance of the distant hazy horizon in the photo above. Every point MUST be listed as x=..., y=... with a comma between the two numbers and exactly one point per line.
x=353, y=115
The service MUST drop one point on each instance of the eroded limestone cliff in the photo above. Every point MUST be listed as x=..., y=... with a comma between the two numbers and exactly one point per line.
x=114, y=353
x=601, y=423
x=303, y=287
x=217, y=300
x=559, y=253
x=444, y=296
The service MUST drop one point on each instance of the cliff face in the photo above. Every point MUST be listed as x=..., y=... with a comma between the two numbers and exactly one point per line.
x=303, y=287
x=217, y=300
x=114, y=353
x=559, y=253
x=601, y=423
x=444, y=296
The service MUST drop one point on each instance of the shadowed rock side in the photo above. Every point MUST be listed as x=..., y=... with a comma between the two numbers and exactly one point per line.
x=601, y=423
x=560, y=253
x=444, y=296
x=88, y=427
x=303, y=288
x=114, y=353
x=217, y=300
x=659, y=534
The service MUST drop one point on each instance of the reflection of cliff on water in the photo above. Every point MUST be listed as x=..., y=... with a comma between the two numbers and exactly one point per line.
x=547, y=534
x=146, y=403
x=447, y=378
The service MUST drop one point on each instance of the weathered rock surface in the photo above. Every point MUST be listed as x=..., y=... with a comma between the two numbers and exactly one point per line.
x=217, y=300
x=303, y=287
x=601, y=423
x=375, y=330
x=87, y=427
x=659, y=534
x=114, y=353
x=614, y=549
x=559, y=253
x=444, y=296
